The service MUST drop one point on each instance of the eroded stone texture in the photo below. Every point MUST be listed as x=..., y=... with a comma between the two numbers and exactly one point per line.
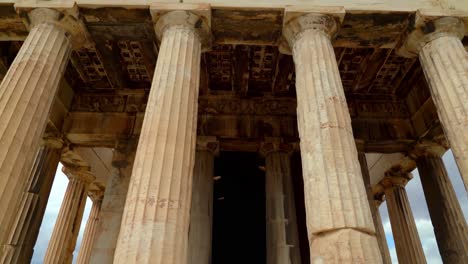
x=282, y=238
x=446, y=215
x=26, y=95
x=407, y=243
x=63, y=239
x=113, y=205
x=339, y=221
x=444, y=61
x=201, y=211
x=374, y=207
x=155, y=221
x=89, y=235
x=23, y=235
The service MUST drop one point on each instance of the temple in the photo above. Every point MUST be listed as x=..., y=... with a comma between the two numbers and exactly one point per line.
x=224, y=131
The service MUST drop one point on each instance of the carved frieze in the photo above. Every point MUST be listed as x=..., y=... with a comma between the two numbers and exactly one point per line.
x=231, y=106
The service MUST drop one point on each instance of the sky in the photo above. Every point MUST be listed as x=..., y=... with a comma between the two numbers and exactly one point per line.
x=414, y=190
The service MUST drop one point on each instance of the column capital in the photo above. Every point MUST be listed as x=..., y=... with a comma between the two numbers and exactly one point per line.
x=51, y=142
x=270, y=145
x=80, y=173
x=427, y=148
x=192, y=16
x=96, y=195
x=207, y=143
x=298, y=19
x=430, y=25
x=64, y=15
x=395, y=178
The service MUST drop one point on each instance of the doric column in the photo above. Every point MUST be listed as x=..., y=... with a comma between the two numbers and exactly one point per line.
x=446, y=215
x=407, y=242
x=201, y=211
x=26, y=95
x=156, y=217
x=444, y=60
x=89, y=235
x=113, y=204
x=374, y=207
x=282, y=237
x=25, y=229
x=339, y=222
x=63, y=239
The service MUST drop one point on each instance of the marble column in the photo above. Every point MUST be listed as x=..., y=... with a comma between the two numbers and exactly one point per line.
x=26, y=95
x=156, y=217
x=19, y=246
x=282, y=237
x=339, y=221
x=201, y=210
x=407, y=243
x=446, y=215
x=113, y=204
x=444, y=60
x=89, y=235
x=374, y=207
x=63, y=240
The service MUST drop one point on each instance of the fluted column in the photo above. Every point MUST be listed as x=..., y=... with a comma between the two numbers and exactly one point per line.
x=374, y=207
x=89, y=235
x=282, y=237
x=444, y=60
x=113, y=204
x=155, y=221
x=63, y=239
x=450, y=227
x=26, y=95
x=201, y=211
x=407, y=243
x=25, y=229
x=339, y=222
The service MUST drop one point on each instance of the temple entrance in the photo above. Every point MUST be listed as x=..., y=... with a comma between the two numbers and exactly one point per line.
x=239, y=209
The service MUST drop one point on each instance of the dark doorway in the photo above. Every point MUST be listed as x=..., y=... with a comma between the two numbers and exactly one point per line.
x=239, y=209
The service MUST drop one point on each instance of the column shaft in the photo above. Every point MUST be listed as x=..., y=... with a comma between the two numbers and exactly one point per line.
x=407, y=242
x=445, y=64
x=374, y=211
x=447, y=217
x=23, y=235
x=201, y=212
x=339, y=221
x=63, y=240
x=281, y=225
x=156, y=217
x=26, y=95
x=89, y=235
x=112, y=207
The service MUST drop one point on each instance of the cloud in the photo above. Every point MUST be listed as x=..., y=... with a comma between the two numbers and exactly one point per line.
x=421, y=214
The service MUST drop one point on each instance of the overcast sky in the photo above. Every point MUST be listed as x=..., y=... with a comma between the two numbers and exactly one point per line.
x=414, y=190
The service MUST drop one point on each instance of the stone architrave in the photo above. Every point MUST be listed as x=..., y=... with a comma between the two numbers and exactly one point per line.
x=26, y=95
x=63, y=240
x=20, y=243
x=407, y=243
x=436, y=40
x=450, y=227
x=374, y=207
x=113, y=204
x=89, y=235
x=339, y=221
x=201, y=210
x=155, y=222
x=282, y=236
